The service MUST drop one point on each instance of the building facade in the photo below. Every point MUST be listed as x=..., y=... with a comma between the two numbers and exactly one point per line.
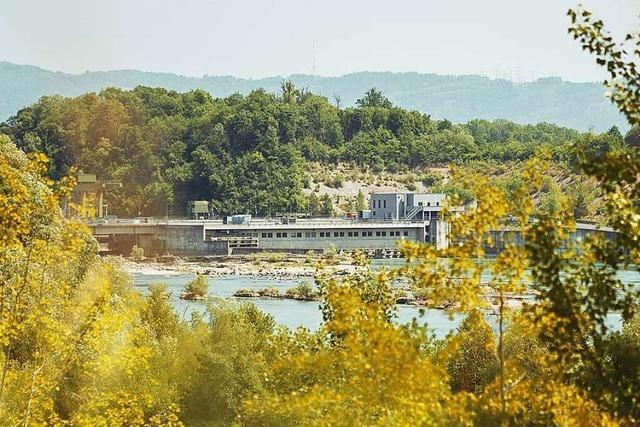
x=407, y=206
x=88, y=197
x=318, y=234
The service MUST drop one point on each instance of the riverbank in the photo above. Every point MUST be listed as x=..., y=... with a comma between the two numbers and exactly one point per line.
x=271, y=265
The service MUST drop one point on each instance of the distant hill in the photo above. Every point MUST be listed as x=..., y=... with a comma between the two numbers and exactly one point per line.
x=457, y=98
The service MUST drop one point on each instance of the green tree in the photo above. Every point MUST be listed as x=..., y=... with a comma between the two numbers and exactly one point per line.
x=326, y=208
x=360, y=201
x=632, y=138
x=158, y=313
x=374, y=98
x=473, y=365
x=313, y=204
x=289, y=92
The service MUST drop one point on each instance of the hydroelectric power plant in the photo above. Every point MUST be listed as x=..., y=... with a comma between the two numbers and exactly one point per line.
x=392, y=218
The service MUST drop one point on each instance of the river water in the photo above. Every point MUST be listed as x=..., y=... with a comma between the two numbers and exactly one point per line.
x=293, y=313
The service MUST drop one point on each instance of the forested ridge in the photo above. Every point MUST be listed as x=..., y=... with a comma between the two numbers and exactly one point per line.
x=248, y=154
x=457, y=98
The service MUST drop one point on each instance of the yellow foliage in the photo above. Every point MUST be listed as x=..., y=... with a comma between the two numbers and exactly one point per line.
x=69, y=323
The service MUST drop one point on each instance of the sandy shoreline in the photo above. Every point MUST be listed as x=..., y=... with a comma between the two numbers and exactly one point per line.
x=289, y=267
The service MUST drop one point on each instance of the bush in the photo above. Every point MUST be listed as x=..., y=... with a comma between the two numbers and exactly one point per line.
x=272, y=257
x=137, y=253
x=310, y=256
x=335, y=182
x=432, y=178
x=232, y=363
x=270, y=292
x=303, y=291
x=158, y=313
x=197, y=287
x=331, y=255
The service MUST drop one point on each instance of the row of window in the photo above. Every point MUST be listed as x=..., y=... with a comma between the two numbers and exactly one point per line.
x=381, y=204
x=313, y=234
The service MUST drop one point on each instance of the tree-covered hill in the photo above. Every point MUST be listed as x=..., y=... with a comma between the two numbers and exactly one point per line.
x=456, y=98
x=251, y=153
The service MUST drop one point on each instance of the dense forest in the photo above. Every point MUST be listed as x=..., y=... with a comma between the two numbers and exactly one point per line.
x=248, y=154
x=458, y=98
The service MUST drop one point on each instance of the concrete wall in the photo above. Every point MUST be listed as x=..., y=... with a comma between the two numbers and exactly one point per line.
x=421, y=199
x=438, y=233
x=189, y=240
x=387, y=206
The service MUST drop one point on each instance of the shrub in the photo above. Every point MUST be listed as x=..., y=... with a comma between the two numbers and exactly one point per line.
x=303, y=291
x=272, y=257
x=137, y=253
x=432, y=178
x=331, y=255
x=335, y=182
x=269, y=292
x=158, y=313
x=198, y=286
x=310, y=257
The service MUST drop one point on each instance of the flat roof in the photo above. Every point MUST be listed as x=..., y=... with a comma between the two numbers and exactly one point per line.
x=407, y=194
x=309, y=226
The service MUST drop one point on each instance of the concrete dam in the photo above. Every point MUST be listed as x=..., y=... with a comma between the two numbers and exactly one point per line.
x=215, y=237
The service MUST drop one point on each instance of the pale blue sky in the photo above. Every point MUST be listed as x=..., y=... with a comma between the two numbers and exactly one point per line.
x=515, y=39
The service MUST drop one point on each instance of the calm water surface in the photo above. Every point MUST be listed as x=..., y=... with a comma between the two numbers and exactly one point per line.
x=305, y=313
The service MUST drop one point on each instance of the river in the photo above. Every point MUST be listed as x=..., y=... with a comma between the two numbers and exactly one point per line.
x=293, y=313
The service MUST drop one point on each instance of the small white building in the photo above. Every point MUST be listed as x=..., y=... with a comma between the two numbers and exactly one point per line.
x=407, y=206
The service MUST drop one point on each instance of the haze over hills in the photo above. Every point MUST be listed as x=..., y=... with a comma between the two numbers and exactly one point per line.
x=580, y=106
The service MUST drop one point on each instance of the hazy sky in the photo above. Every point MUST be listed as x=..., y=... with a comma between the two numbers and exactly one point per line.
x=515, y=39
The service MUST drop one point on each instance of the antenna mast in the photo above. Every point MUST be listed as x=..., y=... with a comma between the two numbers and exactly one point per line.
x=313, y=72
